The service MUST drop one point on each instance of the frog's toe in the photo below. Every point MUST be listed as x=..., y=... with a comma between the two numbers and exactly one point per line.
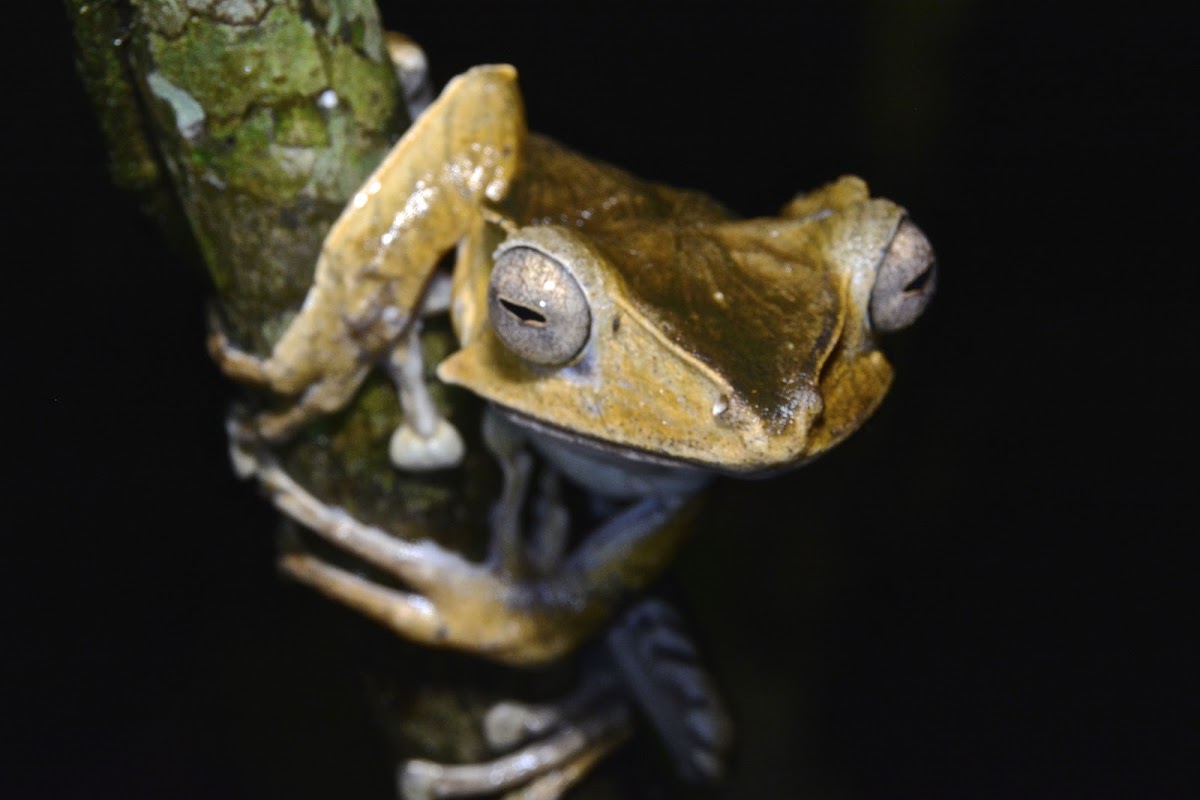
x=242, y=445
x=417, y=779
x=443, y=448
x=542, y=769
x=235, y=363
x=509, y=723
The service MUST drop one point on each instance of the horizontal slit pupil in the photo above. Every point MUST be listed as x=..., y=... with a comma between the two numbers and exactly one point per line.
x=919, y=282
x=524, y=313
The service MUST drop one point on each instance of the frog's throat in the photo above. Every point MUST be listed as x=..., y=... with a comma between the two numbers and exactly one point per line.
x=609, y=469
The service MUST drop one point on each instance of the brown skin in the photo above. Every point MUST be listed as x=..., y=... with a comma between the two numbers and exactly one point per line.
x=763, y=313
x=695, y=341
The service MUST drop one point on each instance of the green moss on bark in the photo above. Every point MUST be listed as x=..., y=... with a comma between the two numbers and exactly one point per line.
x=256, y=121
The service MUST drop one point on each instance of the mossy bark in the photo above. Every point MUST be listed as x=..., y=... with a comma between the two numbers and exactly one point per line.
x=245, y=125
x=252, y=122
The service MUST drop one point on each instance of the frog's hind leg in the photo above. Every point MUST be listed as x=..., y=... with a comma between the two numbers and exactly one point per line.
x=550, y=748
x=664, y=674
x=540, y=771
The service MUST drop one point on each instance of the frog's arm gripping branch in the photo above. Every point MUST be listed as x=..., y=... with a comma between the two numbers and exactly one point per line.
x=480, y=607
x=378, y=261
x=528, y=604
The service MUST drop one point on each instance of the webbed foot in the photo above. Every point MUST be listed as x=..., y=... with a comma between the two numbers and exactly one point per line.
x=316, y=392
x=546, y=749
x=494, y=608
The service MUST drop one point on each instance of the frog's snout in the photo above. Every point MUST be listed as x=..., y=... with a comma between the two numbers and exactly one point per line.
x=905, y=281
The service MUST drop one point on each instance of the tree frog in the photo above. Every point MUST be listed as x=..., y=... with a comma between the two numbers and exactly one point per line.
x=639, y=338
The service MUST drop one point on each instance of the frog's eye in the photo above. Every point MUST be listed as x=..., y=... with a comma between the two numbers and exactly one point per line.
x=537, y=307
x=905, y=281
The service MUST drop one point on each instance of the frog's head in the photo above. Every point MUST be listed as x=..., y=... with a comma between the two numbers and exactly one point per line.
x=735, y=346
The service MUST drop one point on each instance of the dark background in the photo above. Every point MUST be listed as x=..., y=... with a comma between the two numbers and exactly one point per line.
x=987, y=592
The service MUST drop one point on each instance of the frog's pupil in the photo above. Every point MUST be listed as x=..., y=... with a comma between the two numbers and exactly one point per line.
x=919, y=282
x=524, y=313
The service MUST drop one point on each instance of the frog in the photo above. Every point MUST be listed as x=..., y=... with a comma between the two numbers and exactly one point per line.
x=635, y=338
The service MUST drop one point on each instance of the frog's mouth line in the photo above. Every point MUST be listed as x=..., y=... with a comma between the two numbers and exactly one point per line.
x=592, y=443
x=614, y=452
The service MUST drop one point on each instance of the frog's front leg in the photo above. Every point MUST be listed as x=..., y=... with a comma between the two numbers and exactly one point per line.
x=424, y=439
x=376, y=266
x=481, y=607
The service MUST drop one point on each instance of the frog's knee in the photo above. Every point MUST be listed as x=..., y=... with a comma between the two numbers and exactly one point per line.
x=411, y=451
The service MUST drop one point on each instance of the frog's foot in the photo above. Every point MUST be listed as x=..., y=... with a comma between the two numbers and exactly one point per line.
x=237, y=364
x=315, y=394
x=550, y=749
x=481, y=608
x=322, y=397
x=664, y=673
x=425, y=440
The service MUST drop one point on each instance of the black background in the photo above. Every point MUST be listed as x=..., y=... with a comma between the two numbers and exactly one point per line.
x=988, y=592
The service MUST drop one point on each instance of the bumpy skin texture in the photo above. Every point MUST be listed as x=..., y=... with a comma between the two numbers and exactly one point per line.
x=713, y=343
x=758, y=329
x=379, y=256
x=694, y=343
x=761, y=324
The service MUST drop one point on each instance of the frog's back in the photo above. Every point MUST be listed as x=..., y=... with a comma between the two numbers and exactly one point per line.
x=558, y=186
